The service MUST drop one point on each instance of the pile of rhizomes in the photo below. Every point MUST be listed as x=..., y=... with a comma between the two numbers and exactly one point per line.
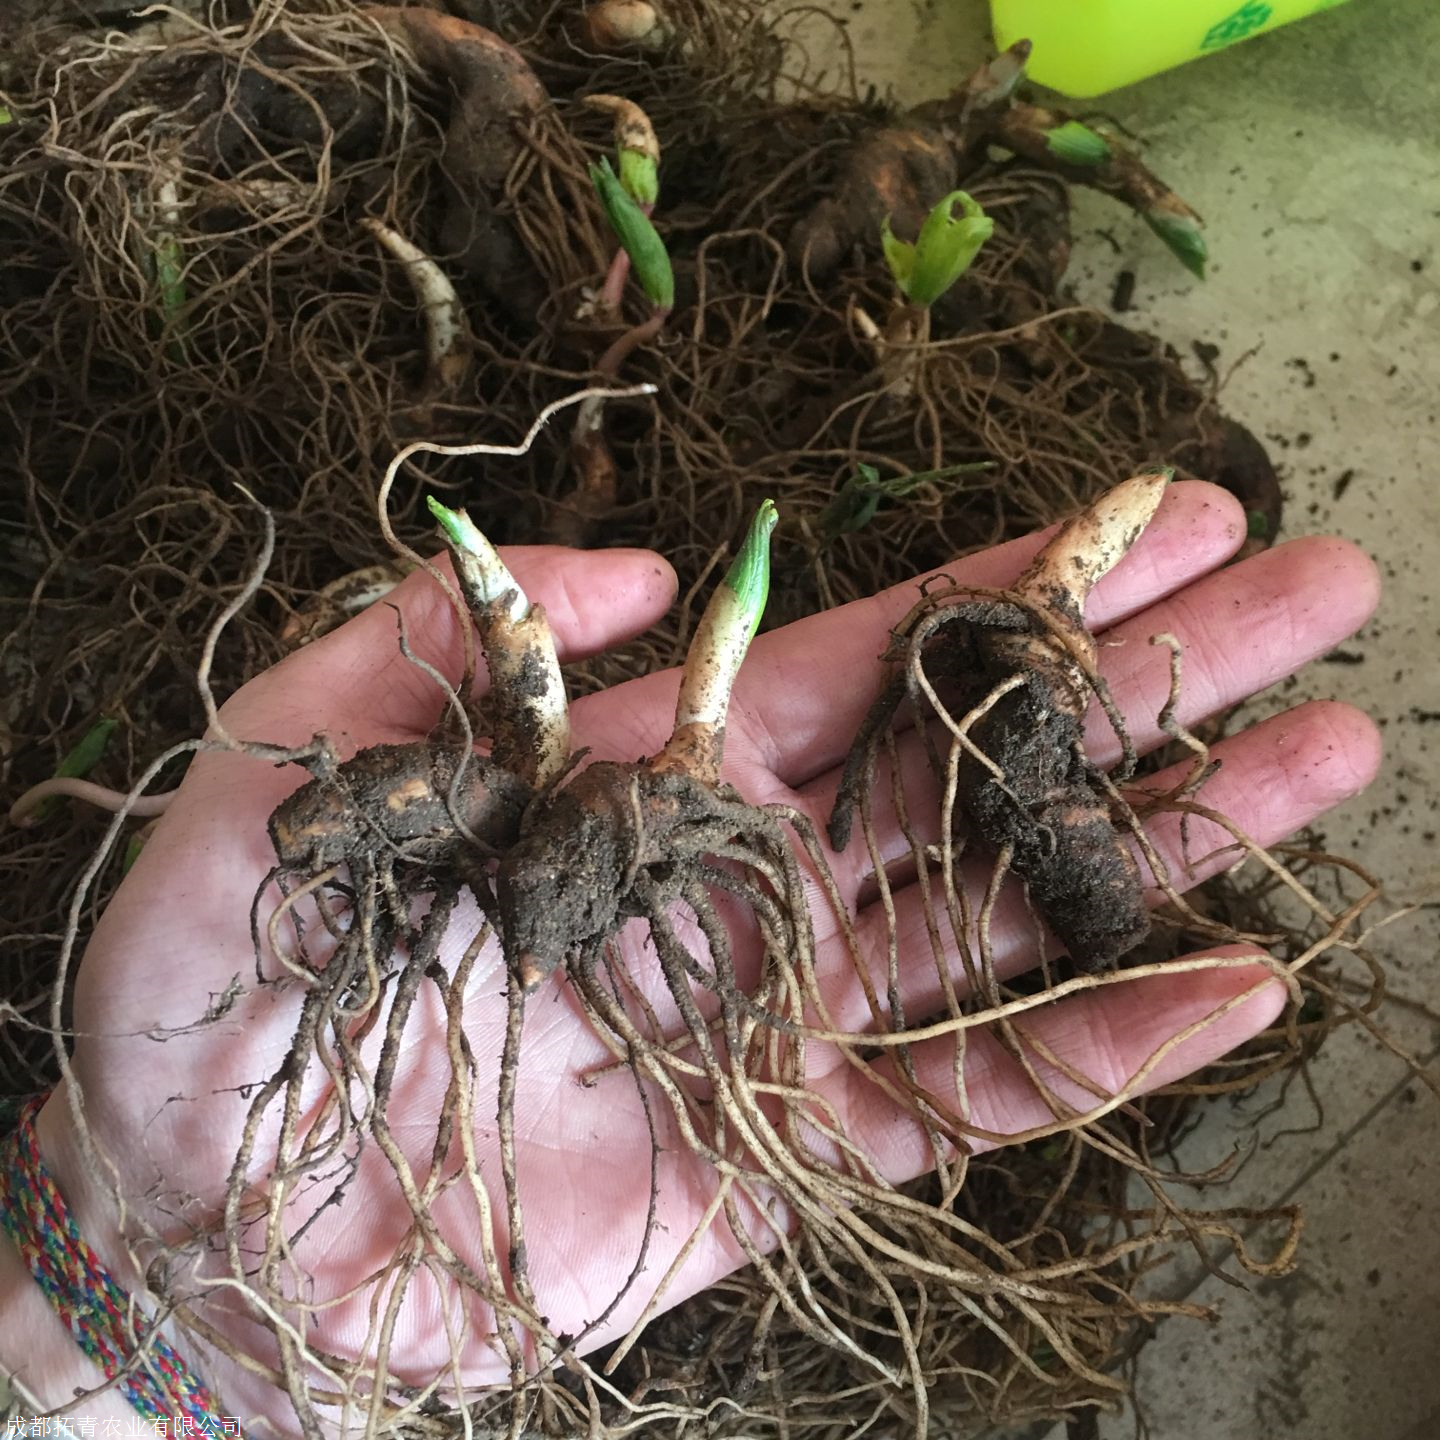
x=205, y=222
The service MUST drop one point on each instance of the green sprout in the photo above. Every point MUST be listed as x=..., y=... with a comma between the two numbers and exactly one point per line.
x=1181, y=234
x=483, y=574
x=943, y=252
x=717, y=650
x=636, y=146
x=1077, y=144
x=1257, y=524
x=637, y=235
x=78, y=763
x=859, y=498
x=170, y=276
x=640, y=176
x=749, y=576
x=168, y=264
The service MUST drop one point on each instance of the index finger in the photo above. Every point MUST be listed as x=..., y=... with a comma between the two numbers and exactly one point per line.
x=356, y=679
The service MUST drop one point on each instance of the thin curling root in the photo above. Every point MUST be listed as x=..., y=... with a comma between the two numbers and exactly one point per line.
x=527, y=693
x=697, y=745
x=1011, y=675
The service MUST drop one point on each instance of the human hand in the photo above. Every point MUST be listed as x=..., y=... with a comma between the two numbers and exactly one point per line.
x=166, y=1097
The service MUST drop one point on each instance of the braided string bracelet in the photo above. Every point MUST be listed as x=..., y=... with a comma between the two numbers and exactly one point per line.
x=96, y=1309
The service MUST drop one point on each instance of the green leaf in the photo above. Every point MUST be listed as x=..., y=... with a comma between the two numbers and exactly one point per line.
x=945, y=249
x=899, y=256
x=170, y=277
x=6, y=118
x=640, y=176
x=1257, y=524
x=1182, y=236
x=86, y=755
x=637, y=235
x=749, y=576
x=133, y=846
x=859, y=498
x=854, y=505
x=78, y=763
x=1077, y=144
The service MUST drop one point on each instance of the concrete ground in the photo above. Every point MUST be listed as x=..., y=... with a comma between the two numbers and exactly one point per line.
x=1314, y=154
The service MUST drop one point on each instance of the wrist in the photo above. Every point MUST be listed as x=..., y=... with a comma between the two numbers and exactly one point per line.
x=48, y=1370
x=73, y=1334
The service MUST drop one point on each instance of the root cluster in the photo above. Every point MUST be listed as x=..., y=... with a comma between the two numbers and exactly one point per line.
x=217, y=236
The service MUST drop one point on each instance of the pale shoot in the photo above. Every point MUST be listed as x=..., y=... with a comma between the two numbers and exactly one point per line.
x=721, y=640
x=448, y=345
x=1059, y=580
x=531, y=717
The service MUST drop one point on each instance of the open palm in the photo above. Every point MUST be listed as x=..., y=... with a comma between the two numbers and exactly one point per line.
x=167, y=1095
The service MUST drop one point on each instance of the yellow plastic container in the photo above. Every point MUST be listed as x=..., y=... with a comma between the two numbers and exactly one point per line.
x=1086, y=47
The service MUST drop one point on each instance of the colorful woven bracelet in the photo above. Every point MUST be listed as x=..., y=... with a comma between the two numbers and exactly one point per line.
x=97, y=1311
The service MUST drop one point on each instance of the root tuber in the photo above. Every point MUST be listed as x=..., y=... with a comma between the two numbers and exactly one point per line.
x=598, y=852
x=904, y=170
x=617, y=25
x=496, y=94
x=395, y=798
x=1019, y=667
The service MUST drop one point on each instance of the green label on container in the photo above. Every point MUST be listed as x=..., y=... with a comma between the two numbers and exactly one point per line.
x=1241, y=23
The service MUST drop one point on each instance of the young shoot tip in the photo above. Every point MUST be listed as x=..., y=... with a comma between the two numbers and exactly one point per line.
x=637, y=147
x=1077, y=144
x=637, y=235
x=994, y=84
x=1182, y=237
x=944, y=250
x=486, y=577
x=749, y=574
x=1096, y=540
x=696, y=745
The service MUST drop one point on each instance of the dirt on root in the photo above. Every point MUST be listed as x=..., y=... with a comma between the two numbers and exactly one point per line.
x=199, y=304
x=393, y=796
x=1028, y=797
